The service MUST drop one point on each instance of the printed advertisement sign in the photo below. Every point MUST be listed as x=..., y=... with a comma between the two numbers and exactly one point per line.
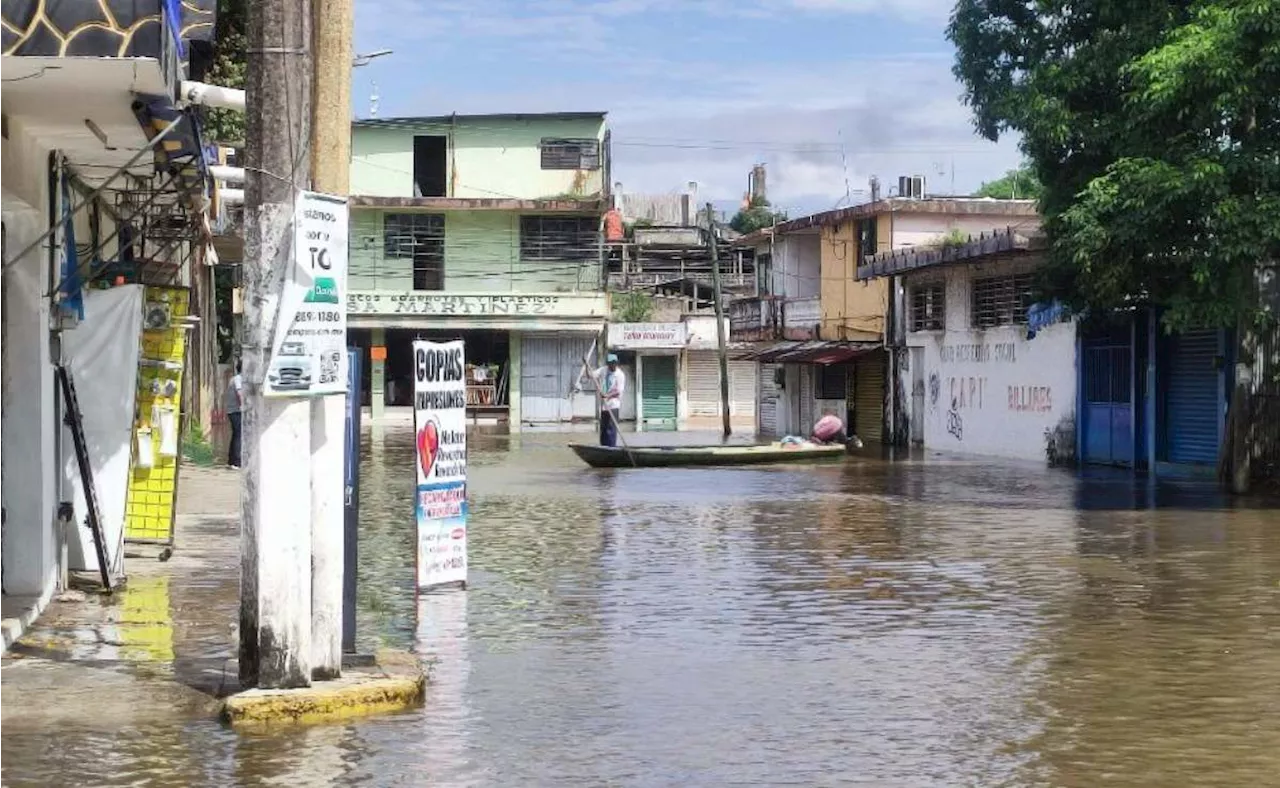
x=440, y=424
x=309, y=346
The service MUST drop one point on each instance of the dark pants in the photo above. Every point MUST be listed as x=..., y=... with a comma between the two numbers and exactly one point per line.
x=608, y=428
x=233, y=450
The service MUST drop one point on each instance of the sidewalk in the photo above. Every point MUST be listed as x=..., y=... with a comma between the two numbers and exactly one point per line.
x=163, y=648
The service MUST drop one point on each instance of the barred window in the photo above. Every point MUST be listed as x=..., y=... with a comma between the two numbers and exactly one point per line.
x=1001, y=300
x=570, y=154
x=559, y=238
x=929, y=307
x=418, y=237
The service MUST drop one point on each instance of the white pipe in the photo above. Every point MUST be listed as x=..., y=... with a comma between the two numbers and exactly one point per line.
x=231, y=196
x=227, y=173
x=211, y=95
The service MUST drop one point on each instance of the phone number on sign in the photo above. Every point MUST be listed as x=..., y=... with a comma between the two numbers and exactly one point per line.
x=441, y=504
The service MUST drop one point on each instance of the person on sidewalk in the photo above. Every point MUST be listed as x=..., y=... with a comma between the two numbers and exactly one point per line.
x=233, y=401
x=613, y=382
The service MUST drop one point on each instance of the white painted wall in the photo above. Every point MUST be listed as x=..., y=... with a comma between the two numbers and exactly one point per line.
x=29, y=552
x=916, y=229
x=992, y=392
x=797, y=264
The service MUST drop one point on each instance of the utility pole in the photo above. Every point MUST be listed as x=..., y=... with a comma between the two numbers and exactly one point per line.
x=720, y=338
x=275, y=532
x=330, y=168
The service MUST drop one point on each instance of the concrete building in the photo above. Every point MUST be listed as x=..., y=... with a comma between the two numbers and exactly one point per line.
x=819, y=332
x=87, y=86
x=485, y=228
x=986, y=371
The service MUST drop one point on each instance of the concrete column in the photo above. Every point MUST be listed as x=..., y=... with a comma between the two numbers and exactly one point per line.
x=378, y=374
x=330, y=170
x=514, y=348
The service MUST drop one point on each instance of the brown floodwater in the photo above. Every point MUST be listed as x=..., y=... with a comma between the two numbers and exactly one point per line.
x=928, y=621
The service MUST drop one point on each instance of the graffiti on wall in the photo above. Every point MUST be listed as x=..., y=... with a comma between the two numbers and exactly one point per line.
x=980, y=354
x=1031, y=399
x=966, y=392
x=955, y=423
x=935, y=388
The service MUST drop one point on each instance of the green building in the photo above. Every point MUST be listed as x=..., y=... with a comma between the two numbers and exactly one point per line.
x=485, y=228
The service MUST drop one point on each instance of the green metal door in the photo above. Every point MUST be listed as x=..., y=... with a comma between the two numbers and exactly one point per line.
x=658, y=389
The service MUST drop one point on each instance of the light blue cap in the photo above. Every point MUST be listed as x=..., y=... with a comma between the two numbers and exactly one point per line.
x=612, y=358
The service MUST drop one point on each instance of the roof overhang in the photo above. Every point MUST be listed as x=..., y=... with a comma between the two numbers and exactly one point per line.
x=823, y=353
x=978, y=249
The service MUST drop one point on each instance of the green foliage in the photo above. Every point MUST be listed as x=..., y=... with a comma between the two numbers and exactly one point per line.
x=1019, y=184
x=196, y=448
x=229, y=69
x=951, y=239
x=632, y=307
x=1155, y=131
x=756, y=216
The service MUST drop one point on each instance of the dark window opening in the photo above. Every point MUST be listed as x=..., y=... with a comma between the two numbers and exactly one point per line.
x=1001, y=300
x=559, y=238
x=929, y=307
x=832, y=382
x=418, y=237
x=430, y=166
x=867, y=241
x=764, y=273
x=570, y=154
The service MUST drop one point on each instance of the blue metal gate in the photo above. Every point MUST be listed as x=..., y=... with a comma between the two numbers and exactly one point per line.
x=1192, y=402
x=1108, y=404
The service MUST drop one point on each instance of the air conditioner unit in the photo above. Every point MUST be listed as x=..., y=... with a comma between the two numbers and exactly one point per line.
x=157, y=316
x=911, y=187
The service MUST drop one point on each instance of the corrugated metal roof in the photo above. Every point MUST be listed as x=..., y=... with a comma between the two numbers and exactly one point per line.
x=435, y=120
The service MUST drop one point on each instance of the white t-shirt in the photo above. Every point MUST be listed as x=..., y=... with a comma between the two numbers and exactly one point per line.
x=613, y=384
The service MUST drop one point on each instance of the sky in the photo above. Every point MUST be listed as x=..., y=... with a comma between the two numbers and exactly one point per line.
x=825, y=93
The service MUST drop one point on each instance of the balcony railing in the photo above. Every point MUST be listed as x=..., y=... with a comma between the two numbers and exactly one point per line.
x=774, y=317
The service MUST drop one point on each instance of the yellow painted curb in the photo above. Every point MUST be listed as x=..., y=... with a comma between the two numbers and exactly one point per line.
x=356, y=696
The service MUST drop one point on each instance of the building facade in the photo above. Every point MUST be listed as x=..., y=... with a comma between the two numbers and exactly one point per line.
x=81, y=213
x=821, y=336
x=986, y=370
x=485, y=228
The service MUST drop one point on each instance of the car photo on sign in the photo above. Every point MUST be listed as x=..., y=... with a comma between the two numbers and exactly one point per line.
x=291, y=369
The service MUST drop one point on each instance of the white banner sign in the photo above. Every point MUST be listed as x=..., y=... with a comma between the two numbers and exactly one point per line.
x=639, y=336
x=309, y=347
x=440, y=422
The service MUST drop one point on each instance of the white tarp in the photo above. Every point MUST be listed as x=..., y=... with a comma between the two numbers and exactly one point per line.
x=102, y=356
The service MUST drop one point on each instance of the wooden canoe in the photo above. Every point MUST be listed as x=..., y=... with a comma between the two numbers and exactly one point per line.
x=695, y=456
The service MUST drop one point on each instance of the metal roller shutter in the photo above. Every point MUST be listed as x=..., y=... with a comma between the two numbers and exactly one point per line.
x=1193, y=398
x=573, y=347
x=742, y=391
x=703, y=370
x=868, y=392
x=542, y=392
x=806, y=400
x=658, y=390
x=768, y=399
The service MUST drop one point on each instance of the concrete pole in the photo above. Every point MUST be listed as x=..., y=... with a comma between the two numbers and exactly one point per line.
x=330, y=166
x=275, y=533
x=720, y=338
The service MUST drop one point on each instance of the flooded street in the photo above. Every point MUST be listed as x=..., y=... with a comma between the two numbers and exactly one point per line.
x=917, y=623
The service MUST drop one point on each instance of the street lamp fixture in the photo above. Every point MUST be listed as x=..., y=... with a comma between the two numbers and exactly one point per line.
x=363, y=60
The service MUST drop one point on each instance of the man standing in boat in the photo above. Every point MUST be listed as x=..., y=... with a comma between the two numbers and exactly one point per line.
x=612, y=382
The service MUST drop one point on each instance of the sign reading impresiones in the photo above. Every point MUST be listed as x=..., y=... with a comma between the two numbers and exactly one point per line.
x=440, y=424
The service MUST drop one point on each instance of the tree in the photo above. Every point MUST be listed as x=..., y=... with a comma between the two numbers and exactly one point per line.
x=228, y=70
x=756, y=216
x=1019, y=184
x=1155, y=129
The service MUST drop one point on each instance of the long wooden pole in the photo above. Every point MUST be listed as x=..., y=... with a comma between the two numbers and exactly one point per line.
x=720, y=338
